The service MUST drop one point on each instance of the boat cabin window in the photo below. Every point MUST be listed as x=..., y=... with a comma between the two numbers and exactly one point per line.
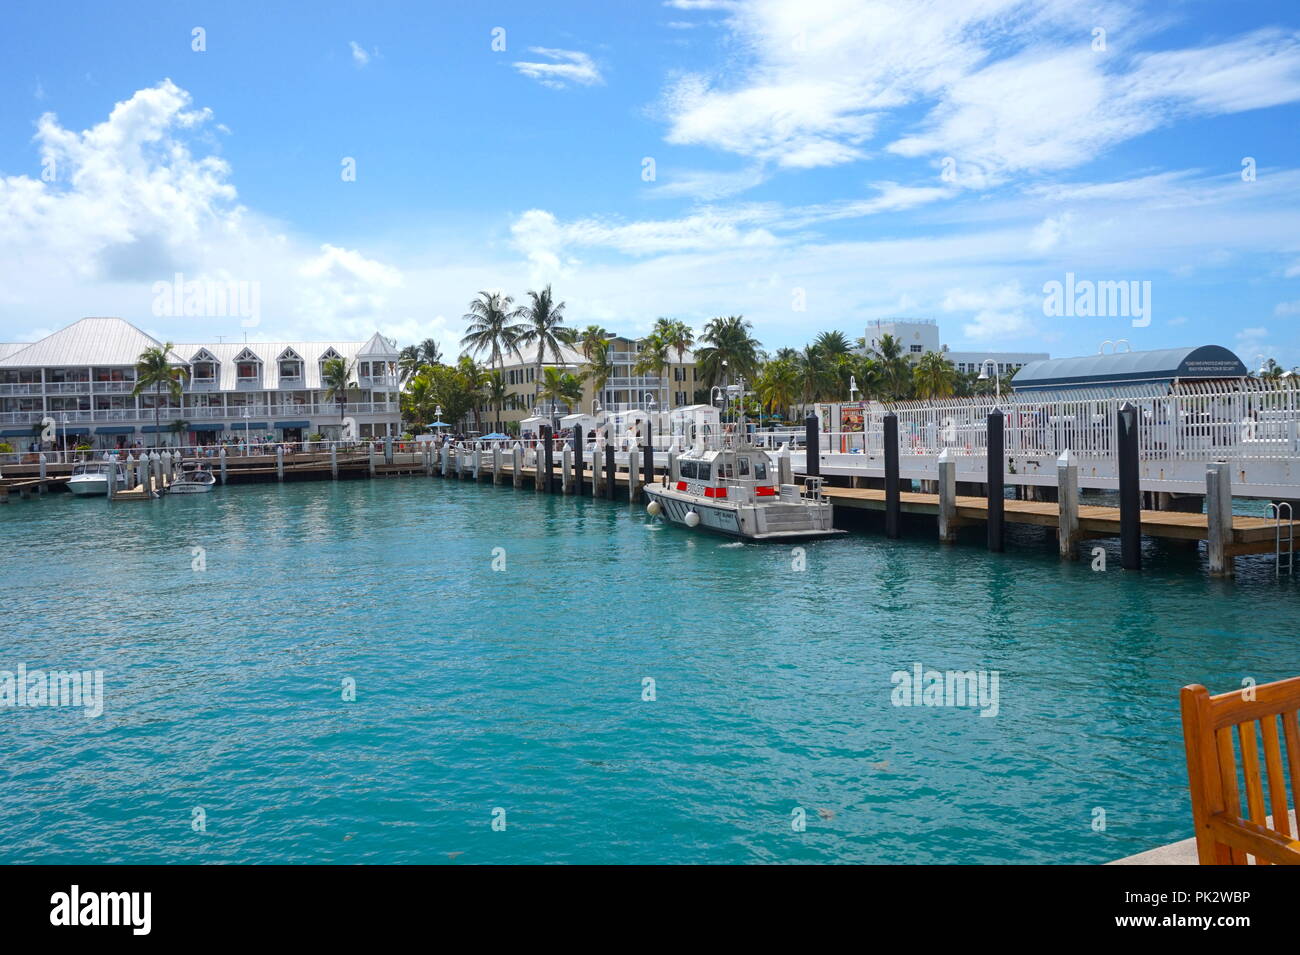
x=760, y=470
x=742, y=467
x=687, y=469
x=725, y=470
x=702, y=470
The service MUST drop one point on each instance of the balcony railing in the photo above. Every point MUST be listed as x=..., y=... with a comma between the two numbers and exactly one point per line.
x=233, y=415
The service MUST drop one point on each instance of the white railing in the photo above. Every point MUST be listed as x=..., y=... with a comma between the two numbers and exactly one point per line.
x=1189, y=424
x=233, y=414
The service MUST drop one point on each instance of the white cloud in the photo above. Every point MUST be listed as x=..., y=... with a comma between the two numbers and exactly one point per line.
x=132, y=203
x=568, y=66
x=359, y=56
x=1287, y=308
x=1006, y=86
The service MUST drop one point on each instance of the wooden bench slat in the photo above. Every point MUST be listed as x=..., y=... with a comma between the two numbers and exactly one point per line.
x=1250, y=772
x=1277, y=800
x=1228, y=782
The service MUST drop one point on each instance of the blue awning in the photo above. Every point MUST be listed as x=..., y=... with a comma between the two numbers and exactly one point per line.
x=17, y=433
x=73, y=430
x=293, y=424
x=209, y=426
x=116, y=429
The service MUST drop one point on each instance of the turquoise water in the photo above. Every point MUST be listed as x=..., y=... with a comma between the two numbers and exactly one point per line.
x=522, y=689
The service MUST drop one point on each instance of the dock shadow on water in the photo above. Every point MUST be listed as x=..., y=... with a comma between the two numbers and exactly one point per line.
x=366, y=672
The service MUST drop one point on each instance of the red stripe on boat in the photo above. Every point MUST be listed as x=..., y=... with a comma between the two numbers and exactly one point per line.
x=715, y=492
x=681, y=485
x=765, y=491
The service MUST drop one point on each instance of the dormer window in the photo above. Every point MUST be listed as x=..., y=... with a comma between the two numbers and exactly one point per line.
x=203, y=366
x=290, y=364
x=248, y=367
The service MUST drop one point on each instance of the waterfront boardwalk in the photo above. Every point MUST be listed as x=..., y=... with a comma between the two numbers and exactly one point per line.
x=1250, y=535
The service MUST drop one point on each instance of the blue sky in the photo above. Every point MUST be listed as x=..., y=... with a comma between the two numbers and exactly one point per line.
x=867, y=158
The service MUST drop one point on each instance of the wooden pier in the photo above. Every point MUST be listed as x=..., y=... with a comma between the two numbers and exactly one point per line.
x=1250, y=535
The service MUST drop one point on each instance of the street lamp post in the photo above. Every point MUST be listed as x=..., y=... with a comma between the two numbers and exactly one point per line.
x=984, y=376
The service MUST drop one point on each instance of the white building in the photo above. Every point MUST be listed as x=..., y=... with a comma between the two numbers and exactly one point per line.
x=78, y=381
x=921, y=335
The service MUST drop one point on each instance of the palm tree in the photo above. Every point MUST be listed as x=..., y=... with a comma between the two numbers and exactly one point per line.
x=475, y=380
x=895, y=369
x=430, y=353
x=778, y=385
x=653, y=359
x=588, y=338
x=419, y=401
x=600, y=364
x=561, y=387
x=935, y=376
x=492, y=327
x=336, y=376
x=728, y=349
x=153, y=369
x=677, y=335
x=542, y=320
x=496, y=391
x=408, y=363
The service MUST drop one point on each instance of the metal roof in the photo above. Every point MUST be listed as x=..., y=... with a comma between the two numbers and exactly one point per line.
x=105, y=342
x=1128, y=368
x=91, y=341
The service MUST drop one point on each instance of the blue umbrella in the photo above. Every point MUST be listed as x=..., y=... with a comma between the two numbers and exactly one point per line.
x=495, y=436
x=437, y=424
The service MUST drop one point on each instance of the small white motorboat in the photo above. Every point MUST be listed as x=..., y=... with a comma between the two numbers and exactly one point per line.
x=193, y=482
x=735, y=492
x=90, y=478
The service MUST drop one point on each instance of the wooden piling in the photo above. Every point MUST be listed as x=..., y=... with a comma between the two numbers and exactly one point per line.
x=993, y=466
x=279, y=462
x=633, y=482
x=579, y=447
x=566, y=470
x=1218, y=512
x=546, y=458
x=1130, y=489
x=1067, y=505
x=221, y=455
x=497, y=476
x=611, y=470
x=517, y=465
x=893, y=508
x=812, y=447
x=947, y=497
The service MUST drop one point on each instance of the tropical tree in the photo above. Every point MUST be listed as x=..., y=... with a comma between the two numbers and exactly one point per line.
x=729, y=349
x=588, y=338
x=778, y=385
x=474, y=377
x=561, y=387
x=600, y=364
x=419, y=402
x=895, y=369
x=492, y=320
x=653, y=359
x=496, y=391
x=178, y=427
x=154, y=370
x=542, y=319
x=934, y=376
x=429, y=353
x=408, y=363
x=336, y=376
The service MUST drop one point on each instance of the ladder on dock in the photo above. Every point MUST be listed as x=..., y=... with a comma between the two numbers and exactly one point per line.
x=1284, y=537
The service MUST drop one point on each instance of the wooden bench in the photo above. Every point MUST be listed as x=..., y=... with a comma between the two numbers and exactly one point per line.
x=1223, y=835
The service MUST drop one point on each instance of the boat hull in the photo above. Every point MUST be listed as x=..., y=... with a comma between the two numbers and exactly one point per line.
x=757, y=522
x=91, y=486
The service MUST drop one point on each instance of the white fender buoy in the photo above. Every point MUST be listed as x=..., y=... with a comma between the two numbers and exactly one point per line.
x=653, y=508
x=692, y=519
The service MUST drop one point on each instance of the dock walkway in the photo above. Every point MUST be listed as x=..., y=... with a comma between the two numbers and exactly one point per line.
x=1250, y=535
